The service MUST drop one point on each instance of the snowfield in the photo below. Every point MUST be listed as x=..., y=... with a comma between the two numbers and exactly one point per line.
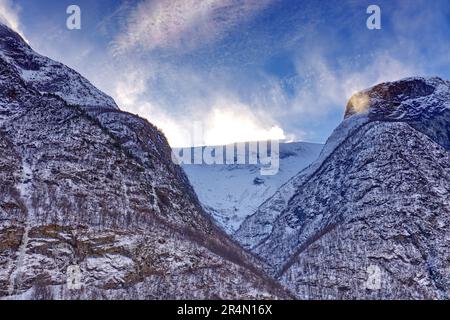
x=231, y=193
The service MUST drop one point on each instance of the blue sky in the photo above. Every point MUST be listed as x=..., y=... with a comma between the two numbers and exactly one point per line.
x=240, y=69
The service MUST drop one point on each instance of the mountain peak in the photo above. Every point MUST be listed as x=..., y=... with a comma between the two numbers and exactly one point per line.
x=48, y=76
x=90, y=188
x=376, y=197
x=8, y=36
x=398, y=99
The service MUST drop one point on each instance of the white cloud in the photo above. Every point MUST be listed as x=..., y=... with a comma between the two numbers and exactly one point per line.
x=183, y=24
x=229, y=122
x=220, y=126
x=9, y=15
x=233, y=101
x=129, y=88
x=209, y=115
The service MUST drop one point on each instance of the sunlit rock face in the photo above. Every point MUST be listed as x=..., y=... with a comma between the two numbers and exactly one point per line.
x=91, y=205
x=424, y=103
x=370, y=219
x=387, y=98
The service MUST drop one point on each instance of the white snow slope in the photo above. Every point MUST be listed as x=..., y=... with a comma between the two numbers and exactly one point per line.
x=231, y=193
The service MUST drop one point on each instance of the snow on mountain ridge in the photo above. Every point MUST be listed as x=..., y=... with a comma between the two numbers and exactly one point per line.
x=377, y=196
x=230, y=193
x=48, y=76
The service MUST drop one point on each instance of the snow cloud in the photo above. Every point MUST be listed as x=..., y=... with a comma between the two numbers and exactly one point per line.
x=9, y=15
x=190, y=107
x=328, y=87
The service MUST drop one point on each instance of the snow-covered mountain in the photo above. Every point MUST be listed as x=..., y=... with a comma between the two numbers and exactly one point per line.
x=371, y=217
x=48, y=76
x=230, y=193
x=91, y=205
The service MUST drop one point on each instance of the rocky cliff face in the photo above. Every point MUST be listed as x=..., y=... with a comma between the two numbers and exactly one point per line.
x=48, y=76
x=91, y=205
x=371, y=217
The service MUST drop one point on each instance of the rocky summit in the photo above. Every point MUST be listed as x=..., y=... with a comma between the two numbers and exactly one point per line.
x=370, y=219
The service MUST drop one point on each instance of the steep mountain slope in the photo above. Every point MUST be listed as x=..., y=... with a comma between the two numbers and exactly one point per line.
x=375, y=204
x=230, y=193
x=91, y=205
x=48, y=76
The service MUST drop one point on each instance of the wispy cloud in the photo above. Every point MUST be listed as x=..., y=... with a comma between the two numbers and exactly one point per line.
x=177, y=99
x=9, y=15
x=190, y=61
x=183, y=24
x=326, y=87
